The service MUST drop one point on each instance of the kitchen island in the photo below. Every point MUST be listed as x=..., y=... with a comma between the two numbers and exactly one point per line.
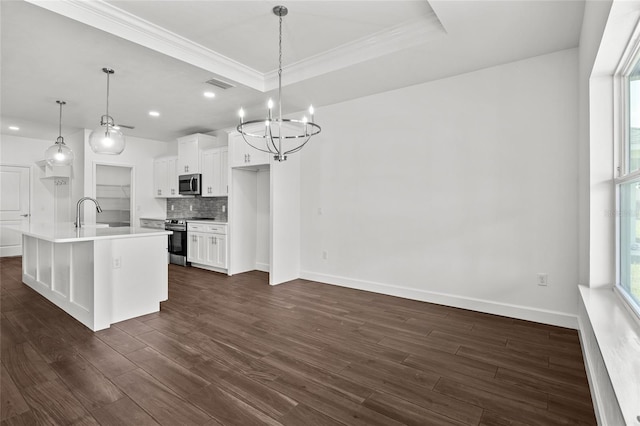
x=97, y=275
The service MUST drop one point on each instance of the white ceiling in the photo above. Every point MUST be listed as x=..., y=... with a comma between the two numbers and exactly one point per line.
x=164, y=51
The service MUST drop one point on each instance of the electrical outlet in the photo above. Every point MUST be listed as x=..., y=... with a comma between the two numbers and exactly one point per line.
x=117, y=262
x=543, y=279
x=190, y=207
x=224, y=209
x=325, y=255
x=319, y=211
x=172, y=207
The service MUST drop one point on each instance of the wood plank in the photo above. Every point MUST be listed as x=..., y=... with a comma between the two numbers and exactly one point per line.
x=349, y=389
x=411, y=414
x=329, y=402
x=412, y=393
x=133, y=327
x=303, y=415
x=228, y=409
x=87, y=384
x=509, y=408
x=122, y=342
x=123, y=412
x=172, y=348
x=165, y=406
x=259, y=396
x=105, y=359
x=448, y=365
x=53, y=403
x=26, y=367
x=171, y=374
x=13, y=404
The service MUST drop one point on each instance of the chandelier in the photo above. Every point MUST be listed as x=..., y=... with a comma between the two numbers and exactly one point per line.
x=278, y=136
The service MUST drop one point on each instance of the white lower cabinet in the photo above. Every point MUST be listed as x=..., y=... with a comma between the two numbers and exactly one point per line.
x=207, y=245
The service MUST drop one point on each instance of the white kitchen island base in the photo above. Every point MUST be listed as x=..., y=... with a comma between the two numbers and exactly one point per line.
x=102, y=278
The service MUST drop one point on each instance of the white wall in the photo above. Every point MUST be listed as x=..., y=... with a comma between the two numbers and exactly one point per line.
x=457, y=191
x=593, y=24
x=16, y=150
x=139, y=154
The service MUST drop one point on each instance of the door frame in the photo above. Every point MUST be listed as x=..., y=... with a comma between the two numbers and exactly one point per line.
x=132, y=200
x=30, y=174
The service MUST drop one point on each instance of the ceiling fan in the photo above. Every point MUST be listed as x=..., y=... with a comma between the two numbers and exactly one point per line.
x=125, y=126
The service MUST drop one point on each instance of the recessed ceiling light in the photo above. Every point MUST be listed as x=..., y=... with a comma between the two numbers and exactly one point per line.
x=209, y=95
x=154, y=113
x=14, y=128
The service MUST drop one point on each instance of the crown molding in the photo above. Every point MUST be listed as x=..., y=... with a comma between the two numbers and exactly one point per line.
x=118, y=22
x=113, y=20
x=390, y=40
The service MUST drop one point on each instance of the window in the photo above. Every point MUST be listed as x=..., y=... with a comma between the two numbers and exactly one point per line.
x=628, y=186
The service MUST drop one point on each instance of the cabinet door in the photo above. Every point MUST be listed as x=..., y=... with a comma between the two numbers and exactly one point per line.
x=210, y=173
x=224, y=172
x=188, y=156
x=160, y=189
x=172, y=177
x=192, y=247
x=244, y=155
x=212, y=250
x=221, y=250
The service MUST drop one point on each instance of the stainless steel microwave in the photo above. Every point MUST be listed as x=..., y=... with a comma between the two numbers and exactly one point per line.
x=189, y=184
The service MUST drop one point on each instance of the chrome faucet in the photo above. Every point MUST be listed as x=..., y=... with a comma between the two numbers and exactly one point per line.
x=80, y=201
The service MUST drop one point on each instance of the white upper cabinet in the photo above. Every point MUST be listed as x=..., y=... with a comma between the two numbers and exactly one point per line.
x=165, y=179
x=189, y=148
x=160, y=179
x=242, y=155
x=215, y=171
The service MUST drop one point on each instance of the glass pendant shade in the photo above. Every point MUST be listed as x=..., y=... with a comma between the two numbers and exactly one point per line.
x=107, y=138
x=59, y=154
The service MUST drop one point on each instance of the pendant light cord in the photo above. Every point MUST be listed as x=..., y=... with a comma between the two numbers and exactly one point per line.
x=280, y=84
x=60, y=122
x=107, y=101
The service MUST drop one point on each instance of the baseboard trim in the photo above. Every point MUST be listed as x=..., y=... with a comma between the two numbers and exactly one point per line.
x=263, y=267
x=527, y=313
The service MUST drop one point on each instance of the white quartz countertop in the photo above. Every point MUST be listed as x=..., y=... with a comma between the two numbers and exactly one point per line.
x=68, y=233
x=209, y=221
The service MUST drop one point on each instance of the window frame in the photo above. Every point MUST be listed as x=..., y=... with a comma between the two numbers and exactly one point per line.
x=622, y=153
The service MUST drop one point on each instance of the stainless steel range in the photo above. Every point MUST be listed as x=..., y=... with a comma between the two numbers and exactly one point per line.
x=178, y=240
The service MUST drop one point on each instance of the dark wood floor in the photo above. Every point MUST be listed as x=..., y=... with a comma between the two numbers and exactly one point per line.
x=234, y=351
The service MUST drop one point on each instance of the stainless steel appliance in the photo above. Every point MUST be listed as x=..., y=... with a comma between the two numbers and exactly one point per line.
x=178, y=240
x=189, y=184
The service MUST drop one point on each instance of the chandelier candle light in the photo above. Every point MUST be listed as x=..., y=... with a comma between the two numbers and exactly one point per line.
x=289, y=135
x=108, y=138
x=59, y=154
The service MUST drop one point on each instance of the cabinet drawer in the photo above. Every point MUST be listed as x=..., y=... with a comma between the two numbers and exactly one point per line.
x=196, y=227
x=216, y=229
x=208, y=228
x=155, y=224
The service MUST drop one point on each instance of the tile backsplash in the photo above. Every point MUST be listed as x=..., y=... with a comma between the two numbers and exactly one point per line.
x=197, y=207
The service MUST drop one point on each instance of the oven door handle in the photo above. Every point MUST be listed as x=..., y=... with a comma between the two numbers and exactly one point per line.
x=170, y=245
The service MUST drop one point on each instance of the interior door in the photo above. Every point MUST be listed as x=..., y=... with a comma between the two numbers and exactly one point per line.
x=14, y=208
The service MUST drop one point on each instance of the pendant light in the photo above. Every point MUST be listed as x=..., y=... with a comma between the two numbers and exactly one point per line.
x=280, y=136
x=59, y=154
x=108, y=138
